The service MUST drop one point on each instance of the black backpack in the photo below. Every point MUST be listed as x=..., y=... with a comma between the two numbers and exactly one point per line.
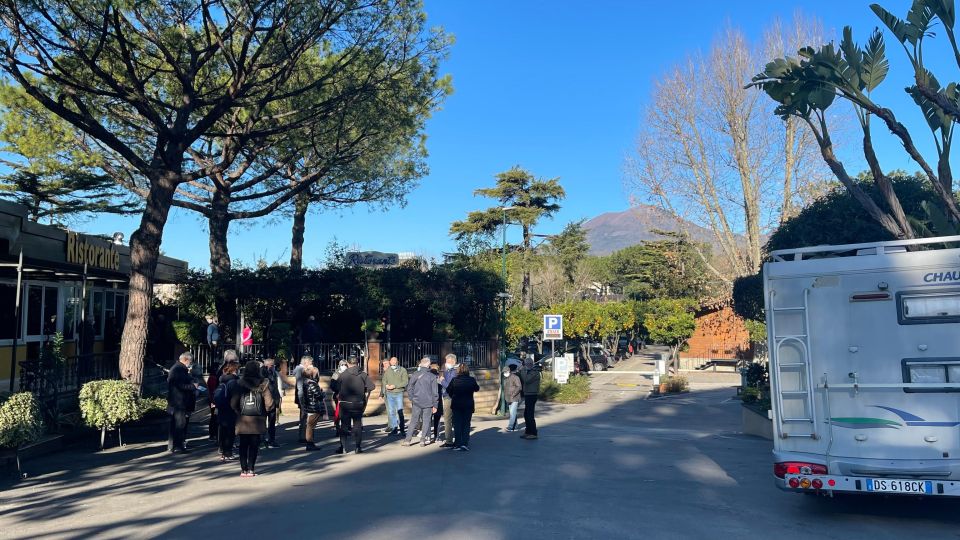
x=251, y=404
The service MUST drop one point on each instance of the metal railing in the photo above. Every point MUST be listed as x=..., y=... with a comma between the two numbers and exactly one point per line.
x=326, y=356
x=53, y=383
x=481, y=354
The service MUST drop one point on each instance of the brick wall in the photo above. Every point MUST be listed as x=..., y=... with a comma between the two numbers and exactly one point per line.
x=720, y=334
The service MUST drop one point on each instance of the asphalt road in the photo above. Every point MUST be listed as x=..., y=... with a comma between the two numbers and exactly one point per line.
x=620, y=466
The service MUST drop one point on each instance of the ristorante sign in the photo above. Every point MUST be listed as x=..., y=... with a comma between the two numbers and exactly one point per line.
x=95, y=253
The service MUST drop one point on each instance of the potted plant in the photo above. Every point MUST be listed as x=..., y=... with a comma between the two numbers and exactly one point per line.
x=106, y=405
x=21, y=423
x=371, y=328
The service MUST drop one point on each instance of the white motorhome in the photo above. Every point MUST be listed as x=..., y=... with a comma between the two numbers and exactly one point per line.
x=865, y=367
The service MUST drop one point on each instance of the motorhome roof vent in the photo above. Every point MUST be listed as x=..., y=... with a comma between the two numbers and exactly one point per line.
x=895, y=249
x=867, y=251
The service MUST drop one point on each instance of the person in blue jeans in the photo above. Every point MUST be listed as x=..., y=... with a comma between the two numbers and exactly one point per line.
x=395, y=380
x=513, y=392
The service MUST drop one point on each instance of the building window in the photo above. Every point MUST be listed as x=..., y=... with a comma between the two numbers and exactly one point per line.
x=41, y=314
x=95, y=314
x=8, y=319
x=71, y=311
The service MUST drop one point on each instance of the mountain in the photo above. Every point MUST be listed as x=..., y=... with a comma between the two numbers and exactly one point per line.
x=609, y=232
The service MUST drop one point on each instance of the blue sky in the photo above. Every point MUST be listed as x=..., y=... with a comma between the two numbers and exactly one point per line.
x=554, y=86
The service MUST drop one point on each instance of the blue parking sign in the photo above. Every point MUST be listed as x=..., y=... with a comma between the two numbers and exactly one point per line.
x=553, y=327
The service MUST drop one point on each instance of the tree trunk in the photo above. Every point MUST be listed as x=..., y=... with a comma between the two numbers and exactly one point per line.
x=525, y=293
x=886, y=187
x=219, y=224
x=299, y=226
x=144, y=253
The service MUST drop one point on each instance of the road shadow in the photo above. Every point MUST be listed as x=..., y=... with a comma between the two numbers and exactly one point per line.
x=664, y=468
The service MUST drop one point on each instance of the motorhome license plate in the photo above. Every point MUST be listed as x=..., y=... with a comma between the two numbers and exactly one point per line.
x=900, y=486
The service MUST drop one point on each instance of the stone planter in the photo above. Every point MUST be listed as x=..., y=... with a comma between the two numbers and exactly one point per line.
x=756, y=423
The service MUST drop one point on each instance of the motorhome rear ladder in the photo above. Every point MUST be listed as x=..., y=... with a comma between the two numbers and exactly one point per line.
x=800, y=366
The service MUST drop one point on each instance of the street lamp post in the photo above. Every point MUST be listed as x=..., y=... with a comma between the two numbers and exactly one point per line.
x=504, y=296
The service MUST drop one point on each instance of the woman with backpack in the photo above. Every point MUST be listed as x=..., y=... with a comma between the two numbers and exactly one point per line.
x=251, y=400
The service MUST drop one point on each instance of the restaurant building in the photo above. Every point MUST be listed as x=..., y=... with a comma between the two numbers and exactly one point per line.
x=69, y=283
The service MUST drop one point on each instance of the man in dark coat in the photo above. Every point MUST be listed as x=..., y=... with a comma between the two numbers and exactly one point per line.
x=530, y=376
x=181, y=401
x=423, y=392
x=353, y=391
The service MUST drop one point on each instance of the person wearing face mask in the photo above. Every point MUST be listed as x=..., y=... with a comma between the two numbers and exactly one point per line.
x=395, y=380
x=513, y=391
x=449, y=372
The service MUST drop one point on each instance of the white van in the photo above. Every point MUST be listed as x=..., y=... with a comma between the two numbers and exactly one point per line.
x=865, y=367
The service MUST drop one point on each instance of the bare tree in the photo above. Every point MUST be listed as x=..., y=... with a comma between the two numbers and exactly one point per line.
x=712, y=154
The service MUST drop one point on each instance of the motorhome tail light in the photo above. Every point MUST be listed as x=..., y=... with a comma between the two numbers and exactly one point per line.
x=831, y=482
x=805, y=483
x=817, y=483
x=794, y=483
x=781, y=470
x=870, y=297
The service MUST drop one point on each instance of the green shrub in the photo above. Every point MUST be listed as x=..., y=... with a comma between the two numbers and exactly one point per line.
x=20, y=420
x=187, y=332
x=107, y=404
x=577, y=389
x=153, y=407
x=676, y=384
x=750, y=395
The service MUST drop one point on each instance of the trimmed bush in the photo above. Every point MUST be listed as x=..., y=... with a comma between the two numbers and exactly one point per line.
x=153, y=407
x=108, y=404
x=577, y=389
x=676, y=384
x=21, y=422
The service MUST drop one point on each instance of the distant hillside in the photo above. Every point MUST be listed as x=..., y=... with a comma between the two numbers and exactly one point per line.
x=609, y=232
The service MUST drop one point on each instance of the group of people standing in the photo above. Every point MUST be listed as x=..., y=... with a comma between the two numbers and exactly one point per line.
x=450, y=394
x=245, y=403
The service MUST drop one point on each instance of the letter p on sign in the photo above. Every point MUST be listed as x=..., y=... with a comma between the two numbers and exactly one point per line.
x=553, y=327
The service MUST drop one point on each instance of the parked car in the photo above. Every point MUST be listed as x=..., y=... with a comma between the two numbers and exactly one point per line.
x=599, y=358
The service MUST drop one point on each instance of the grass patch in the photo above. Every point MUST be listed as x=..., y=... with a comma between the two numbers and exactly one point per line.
x=577, y=389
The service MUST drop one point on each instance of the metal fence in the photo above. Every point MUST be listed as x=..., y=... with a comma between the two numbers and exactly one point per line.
x=326, y=356
x=482, y=354
x=54, y=384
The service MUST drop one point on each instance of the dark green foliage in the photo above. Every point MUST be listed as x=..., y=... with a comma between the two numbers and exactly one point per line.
x=668, y=268
x=569, y=248
x=576, y=390
x=748, y=297
x=837, y=218
x=277, y=301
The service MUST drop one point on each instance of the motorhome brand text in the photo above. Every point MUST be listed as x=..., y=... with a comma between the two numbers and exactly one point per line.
x=80, y=251
x=940, y=277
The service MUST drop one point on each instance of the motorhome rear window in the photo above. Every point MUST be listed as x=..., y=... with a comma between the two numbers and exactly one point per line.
x=928, y=307
x=931, y=371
